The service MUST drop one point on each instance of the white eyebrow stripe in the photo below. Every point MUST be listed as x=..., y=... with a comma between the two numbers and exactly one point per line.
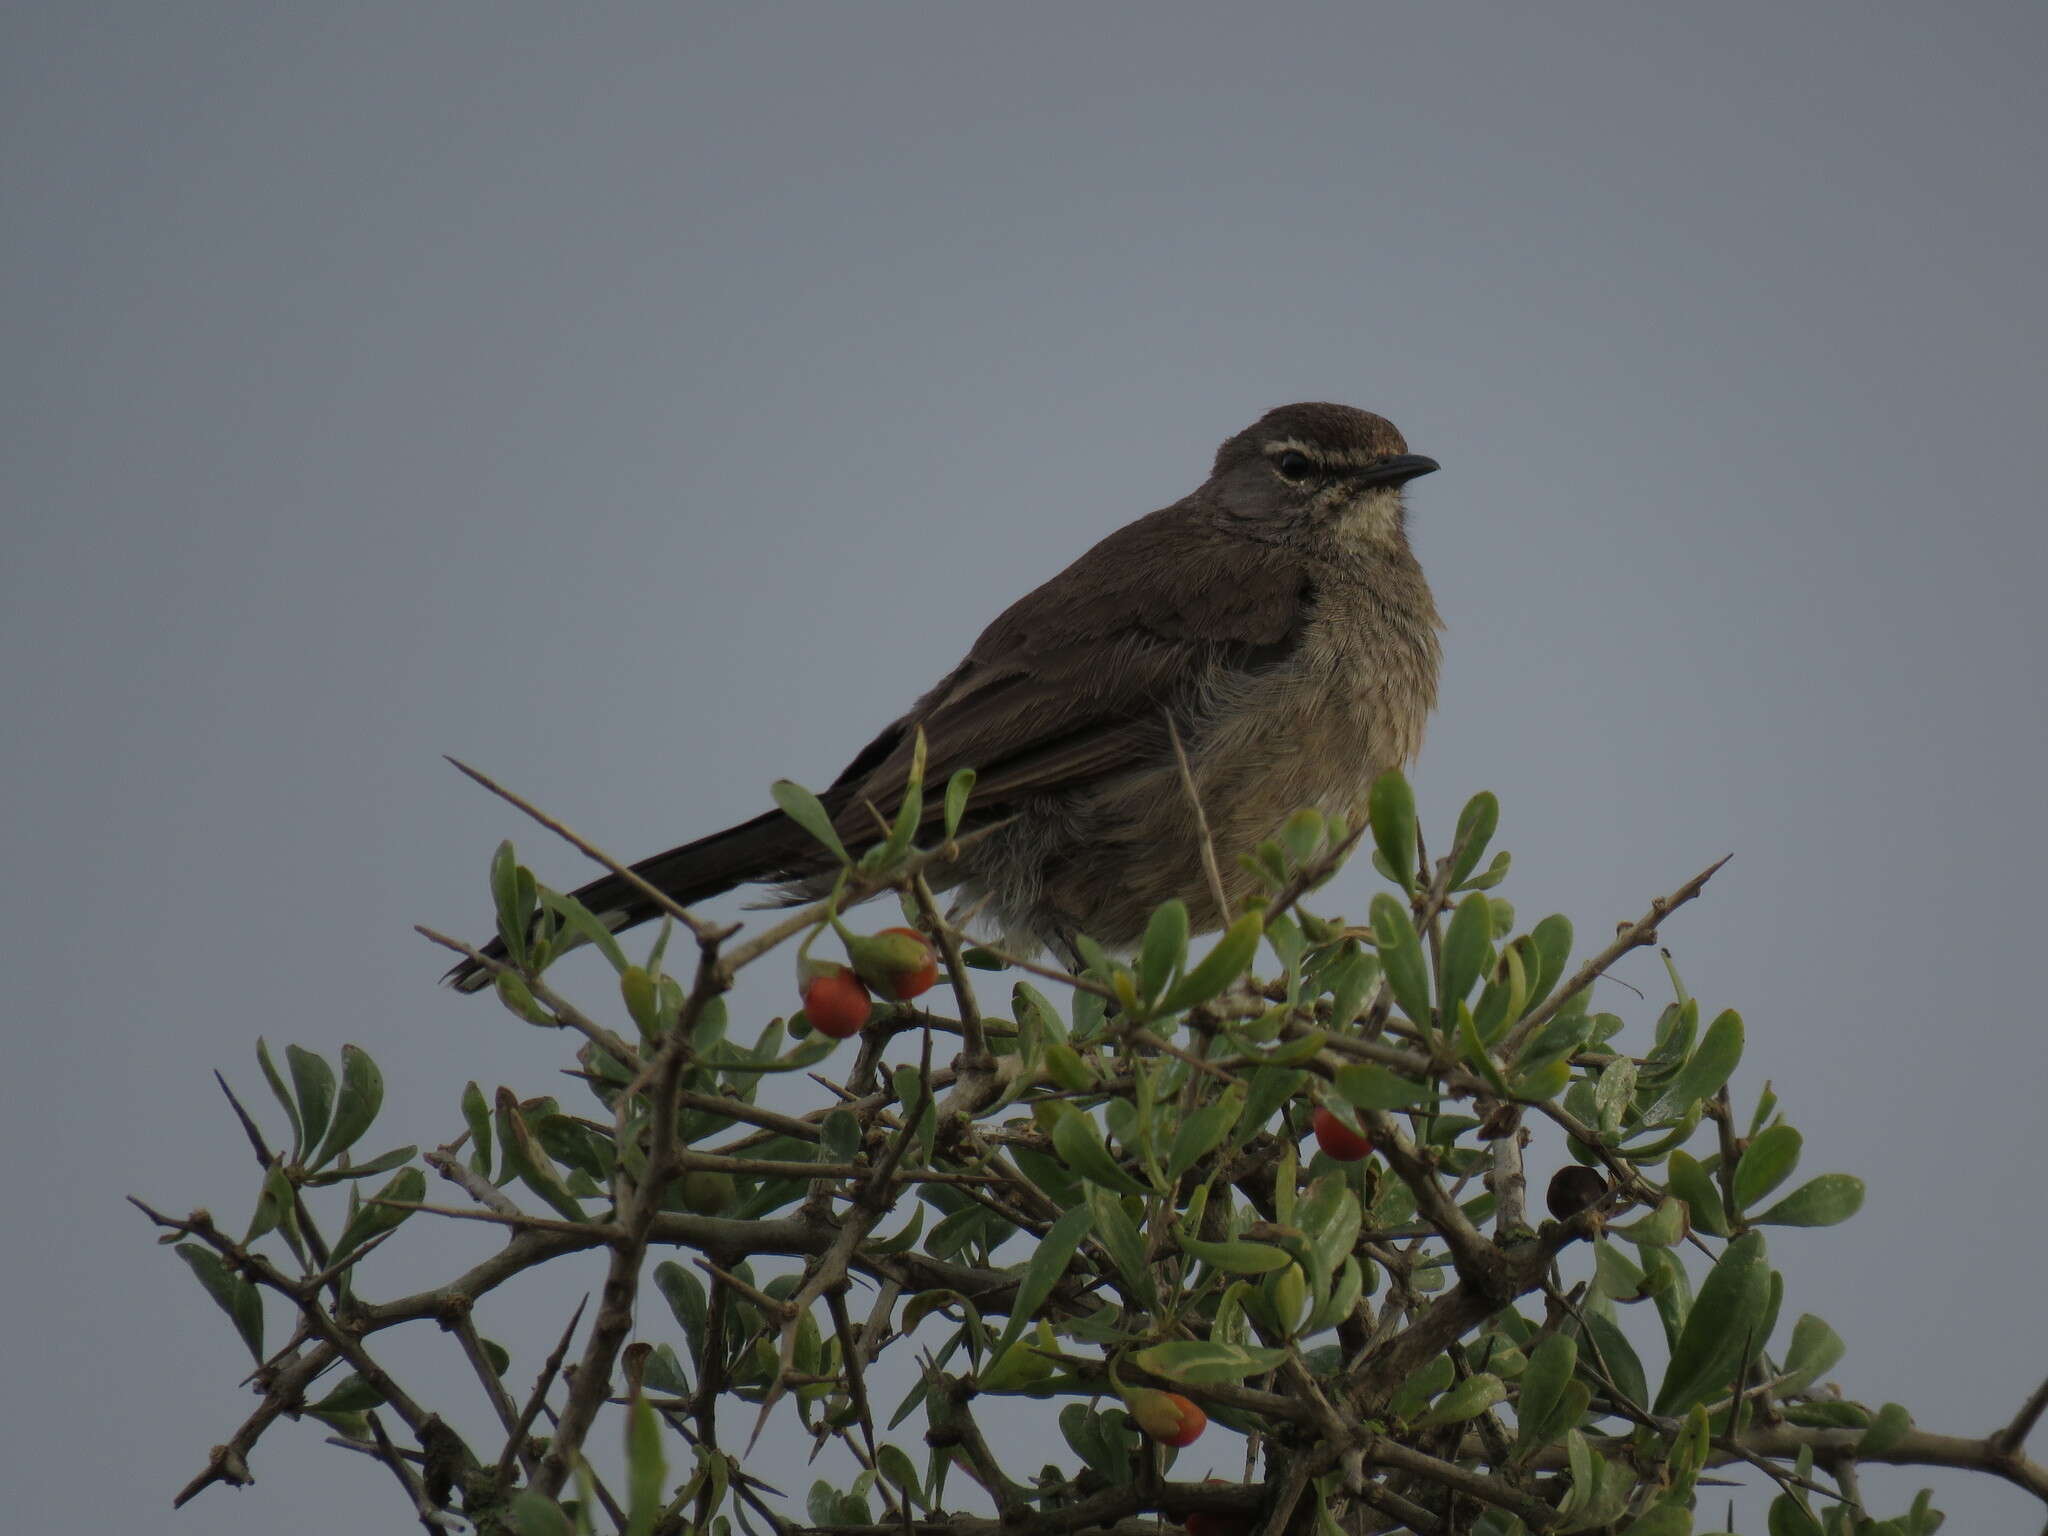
x=1349, y=458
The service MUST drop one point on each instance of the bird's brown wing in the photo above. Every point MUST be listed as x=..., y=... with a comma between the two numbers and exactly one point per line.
x=1057, y=692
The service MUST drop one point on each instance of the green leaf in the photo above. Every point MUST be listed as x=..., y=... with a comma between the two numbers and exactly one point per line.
x=1235, y=1256
x=1665, y=1279
x=408, y=1186
x=1601, y=1487
x=641, y=995
x=1766, y=1106
x=1215, y=971
x=525, y=1157
x=804, y=1054
x=1423, y=1383
x=1197, y=1363
x=230, y=1292
x=277, y=1088
x=1819, y=1202
x=1617, y=1275
x=1489, y=877
x=1270, y=1088
x=1552, y=939
x=889, y=1457
x=517, y=997
x=1695, y=1186
x=1349, y=981
x=1923, y=1519
x=1302, y=835
x=1079, y=1144
x=1201, y=1131
x=822, y=1504
x=1467, y=1400
x=1391, y=807
x=512, y=902
x=664, y=1372
x=1050, y=1261
x=684, y=1293
x=273, y=1206
x=1766, y=1163
x=362, y=1095
x=1467, y=942
x=352, y=1394
x=1702, y=1076
x=1475, y=1051
x=958, y=788
x=1026, y=1001
x=1285, y=1054
x=646, y=1467
x=1345, y=1289
x=1662, y=1520
x=1886, y=1432
x=1788, y=1517
x=1476, y=824
x=1660, y=1229
x=1721, y=1330
x=1618, y=1357
x=476, y=1114
x=1551, y=1364
x=1611, y=1095
x=900, y=1243
x=1165, y=948
x=582, y=925
x=911, y=811
x=1091, y=1437
x=1331, y=1218
x=839, y=1136
x=1536, y=1084
x=1119, y=1237
x=1401, y=958
x=313, y=1087
x=1814, y=1351
x=535, y=1514
x=808, y=812
x=1571, y=1408
x=1554, y=1042
x=1371, y=1087
x=1688, y=1458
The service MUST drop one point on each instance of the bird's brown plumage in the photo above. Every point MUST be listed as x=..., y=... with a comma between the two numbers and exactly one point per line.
x=1282, y=625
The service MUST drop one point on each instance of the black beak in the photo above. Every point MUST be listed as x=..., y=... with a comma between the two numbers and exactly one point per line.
x=1399, y=470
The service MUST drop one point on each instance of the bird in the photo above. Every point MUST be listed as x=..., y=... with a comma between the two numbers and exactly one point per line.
x=1275, y=621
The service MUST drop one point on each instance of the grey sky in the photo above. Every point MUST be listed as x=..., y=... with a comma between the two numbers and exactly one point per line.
x=647, y=402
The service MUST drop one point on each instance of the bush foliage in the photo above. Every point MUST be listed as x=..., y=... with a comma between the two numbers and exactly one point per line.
x=1112, y=1200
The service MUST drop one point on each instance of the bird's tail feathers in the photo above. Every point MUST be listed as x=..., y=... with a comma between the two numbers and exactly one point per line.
x=770, y=846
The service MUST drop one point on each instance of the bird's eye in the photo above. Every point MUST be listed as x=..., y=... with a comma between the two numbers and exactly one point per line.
x=1294, y=466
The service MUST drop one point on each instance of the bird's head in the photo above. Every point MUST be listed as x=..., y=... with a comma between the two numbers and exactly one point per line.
x=1319, y=465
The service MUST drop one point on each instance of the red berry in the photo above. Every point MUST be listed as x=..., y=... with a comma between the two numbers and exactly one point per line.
x=1338, y=1139
x=835, y=1002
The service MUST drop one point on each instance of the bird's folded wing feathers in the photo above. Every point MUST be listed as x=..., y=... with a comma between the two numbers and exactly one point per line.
x=1053, y=695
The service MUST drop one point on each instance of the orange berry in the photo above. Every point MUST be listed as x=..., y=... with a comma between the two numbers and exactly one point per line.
x=835, y=1002
x=1167, y=1417
x=897, y=962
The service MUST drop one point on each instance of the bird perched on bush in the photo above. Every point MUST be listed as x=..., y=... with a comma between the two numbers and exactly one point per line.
x=1275, y=619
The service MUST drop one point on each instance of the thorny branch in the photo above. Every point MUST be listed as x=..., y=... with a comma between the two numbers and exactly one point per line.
x=1328, y=1436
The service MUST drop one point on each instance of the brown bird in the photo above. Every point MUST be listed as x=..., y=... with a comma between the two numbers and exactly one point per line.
x=1276, y=616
